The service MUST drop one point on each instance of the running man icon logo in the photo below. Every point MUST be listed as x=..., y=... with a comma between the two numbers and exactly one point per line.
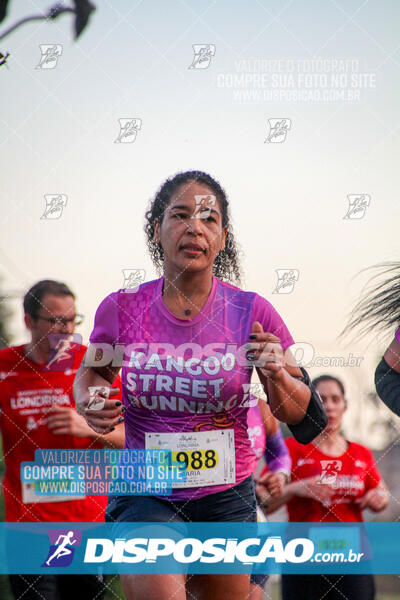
x=357, y=205
x=286, y=280
x=98, y=394
x=50, y=55
x=62, y=353
x=251, y=393
x=278, y=129
x=204, y=203
x=128, y=129
x=61, y=551
x=203, y=54
x=59, y=346
x=132, y=279
x=55, y=203
x=31, y=424
x=329, y=471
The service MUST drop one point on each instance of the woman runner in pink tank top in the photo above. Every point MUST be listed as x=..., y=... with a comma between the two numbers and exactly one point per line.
x=191, y=339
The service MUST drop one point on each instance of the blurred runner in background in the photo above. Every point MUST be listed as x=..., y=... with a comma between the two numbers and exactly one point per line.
x=267, y=442
x=38, y=411
x=333, y=480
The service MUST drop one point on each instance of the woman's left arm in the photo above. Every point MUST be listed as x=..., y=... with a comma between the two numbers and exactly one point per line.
x=288, y=397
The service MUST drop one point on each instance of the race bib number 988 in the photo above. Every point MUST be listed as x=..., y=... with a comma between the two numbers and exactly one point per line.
x=208, y=457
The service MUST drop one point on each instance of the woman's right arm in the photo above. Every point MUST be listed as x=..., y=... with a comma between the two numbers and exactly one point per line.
x=105, y=420
x=97, y=370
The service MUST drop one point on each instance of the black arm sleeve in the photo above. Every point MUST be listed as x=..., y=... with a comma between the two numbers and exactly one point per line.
x=387, y=384
x=315, y=419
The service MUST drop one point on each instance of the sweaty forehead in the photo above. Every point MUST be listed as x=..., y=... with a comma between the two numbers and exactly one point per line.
x=58, y=305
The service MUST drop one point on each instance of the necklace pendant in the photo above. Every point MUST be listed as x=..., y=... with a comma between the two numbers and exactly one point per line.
x=187, y=311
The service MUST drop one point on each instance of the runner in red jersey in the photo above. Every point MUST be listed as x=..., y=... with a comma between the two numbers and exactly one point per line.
x=33, y=399
x=38, y=412
x=333, y=480
x=349, y=476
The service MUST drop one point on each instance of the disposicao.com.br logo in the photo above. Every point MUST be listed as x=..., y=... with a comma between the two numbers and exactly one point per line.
x=212, y=550
x=194, y=547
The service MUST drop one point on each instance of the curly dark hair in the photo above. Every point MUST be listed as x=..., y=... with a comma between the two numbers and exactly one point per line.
x=226, y=264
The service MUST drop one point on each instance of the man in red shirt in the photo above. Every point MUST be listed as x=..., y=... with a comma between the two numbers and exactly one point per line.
x=37, y=412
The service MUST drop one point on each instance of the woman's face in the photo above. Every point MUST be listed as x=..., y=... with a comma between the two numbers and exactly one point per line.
x=191, y=232
x=334, y=403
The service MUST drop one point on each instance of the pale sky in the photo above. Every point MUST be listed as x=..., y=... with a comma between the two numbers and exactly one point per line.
x=58, y=127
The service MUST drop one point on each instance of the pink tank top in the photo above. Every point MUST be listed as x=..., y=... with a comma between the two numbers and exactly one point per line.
x=187, y=375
